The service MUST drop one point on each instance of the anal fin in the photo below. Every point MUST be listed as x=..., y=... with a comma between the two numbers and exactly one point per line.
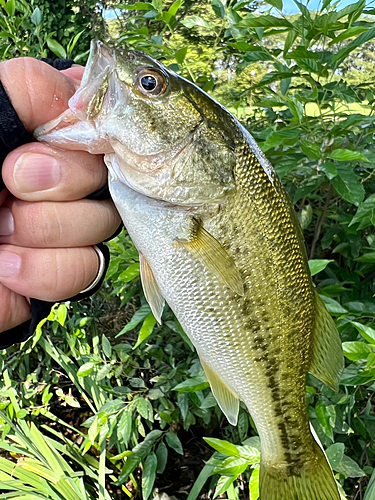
x=205, y=248
x=327, y=360
x=151, y=289
x=226, y=399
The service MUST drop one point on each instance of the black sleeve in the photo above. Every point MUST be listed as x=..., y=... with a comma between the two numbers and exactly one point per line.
x=12, y=135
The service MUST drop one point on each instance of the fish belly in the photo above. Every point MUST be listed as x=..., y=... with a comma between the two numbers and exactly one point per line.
x=236, y=336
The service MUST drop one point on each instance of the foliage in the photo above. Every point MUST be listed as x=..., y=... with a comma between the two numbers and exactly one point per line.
x=140, y=385
x=48, y=28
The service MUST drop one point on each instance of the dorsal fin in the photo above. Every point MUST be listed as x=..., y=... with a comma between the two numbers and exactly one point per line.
x=327, y=360
x=151, y=289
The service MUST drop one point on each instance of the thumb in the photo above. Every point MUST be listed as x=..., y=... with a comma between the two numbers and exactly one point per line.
x=38, y=92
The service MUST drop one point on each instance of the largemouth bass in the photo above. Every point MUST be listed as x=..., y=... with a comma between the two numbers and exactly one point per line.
x=218, y=239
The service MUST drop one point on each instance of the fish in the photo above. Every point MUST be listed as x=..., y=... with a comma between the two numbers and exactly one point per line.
x=220, y=242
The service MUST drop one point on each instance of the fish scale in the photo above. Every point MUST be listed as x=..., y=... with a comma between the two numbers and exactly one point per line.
x=220, y=242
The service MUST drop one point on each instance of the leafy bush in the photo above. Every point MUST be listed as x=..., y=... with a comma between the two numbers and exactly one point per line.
x=139, y=386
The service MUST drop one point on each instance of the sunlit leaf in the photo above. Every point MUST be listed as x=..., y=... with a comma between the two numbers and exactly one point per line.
x=318, y=265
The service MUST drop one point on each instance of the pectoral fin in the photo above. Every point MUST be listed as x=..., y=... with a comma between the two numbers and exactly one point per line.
x=226, y=399
x=151, y=289
x=205, y=248
x=327, y=361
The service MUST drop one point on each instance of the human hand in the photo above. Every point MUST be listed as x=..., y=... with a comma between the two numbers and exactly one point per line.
x=46, y=226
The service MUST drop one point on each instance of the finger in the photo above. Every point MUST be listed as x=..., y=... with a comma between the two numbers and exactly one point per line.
x=15, y=310
x=47, y=274
x=3, y=196
x=53, y=225
x=36, y=172
x=75, y=72
x=38, y=92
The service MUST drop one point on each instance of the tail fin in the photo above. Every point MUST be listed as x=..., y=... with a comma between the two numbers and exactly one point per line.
x=313, y=482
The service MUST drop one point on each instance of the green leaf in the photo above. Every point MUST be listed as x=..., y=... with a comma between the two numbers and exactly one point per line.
x=149, y=475
x=56, y=48
x=290, y=39
x=357, y=350
x=139, y=316
x=74, y=41
x=232, y=466
x=158, y=5
x=310, y=149
x=85, y=369
x=335, y=454
x=10, y=7
x=370, y=491
x=137, y=382
x=193, y=384
x=333, y=306
x=223, y=484
x=174, y=442
x=360, y=40
x=218, y=8
x=348, y=185
x=350, y=468
x=367, y=257
x=276, y=3
x=106, y=346
x=131, y=463
x=324, y=414
x=329, y=168
x=104, y=371
x=296, y=108
x=347, y=155
x=146, y=329
x=201, y=480
x=144, y=408
x=61, y=313
x=130, y=273
x=264, y=22
x=155, y=394
x=194, y=21
x=223, y=447
x=366, y=331
x=348, y=33
x=180, y=55
x=36, y=16
x=317, y=265
x=162, y=456
x=254, y=484
x=365, y=214
x=143, y=448
x=173, y=9
x=124, y=426
x=305, y=216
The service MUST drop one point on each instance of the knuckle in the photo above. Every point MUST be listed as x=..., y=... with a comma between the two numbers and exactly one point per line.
x=45, y=224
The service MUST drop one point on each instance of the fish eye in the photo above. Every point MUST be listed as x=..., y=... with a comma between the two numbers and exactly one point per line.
x=151, y=82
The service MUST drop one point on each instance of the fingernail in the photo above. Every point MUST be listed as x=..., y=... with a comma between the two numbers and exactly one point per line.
x=6, y=222
x=36, y=172
x=10, y=264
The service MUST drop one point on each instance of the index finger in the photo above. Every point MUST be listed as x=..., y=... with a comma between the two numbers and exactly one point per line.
x=38, y=92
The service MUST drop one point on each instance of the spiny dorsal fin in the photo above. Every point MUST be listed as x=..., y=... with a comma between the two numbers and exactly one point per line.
x=151, y=289
x=205, y=248
x=228, y=402
x=327, y=360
